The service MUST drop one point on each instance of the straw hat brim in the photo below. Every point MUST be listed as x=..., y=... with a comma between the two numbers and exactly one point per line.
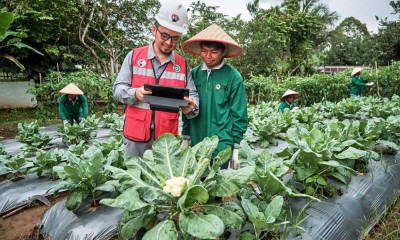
x=71, y=89
x=288, y=93
x=213, y=33
x=356, y=70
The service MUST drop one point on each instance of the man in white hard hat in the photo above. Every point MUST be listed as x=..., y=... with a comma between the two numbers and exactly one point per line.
x=358, y=83
x=156, y=63
x=223, y=102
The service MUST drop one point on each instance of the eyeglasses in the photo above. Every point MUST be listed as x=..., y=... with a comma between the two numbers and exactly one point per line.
x=166, y=36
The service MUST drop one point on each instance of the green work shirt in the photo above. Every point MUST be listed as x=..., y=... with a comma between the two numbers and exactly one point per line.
x=223, y=107
x=72, y=109
x=357, y=85
x=284, y=105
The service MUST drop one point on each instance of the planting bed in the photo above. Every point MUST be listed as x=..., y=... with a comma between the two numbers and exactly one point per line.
x=296, y=181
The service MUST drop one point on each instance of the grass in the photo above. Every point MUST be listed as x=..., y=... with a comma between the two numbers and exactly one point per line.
x=9, y=119
x=388, y=227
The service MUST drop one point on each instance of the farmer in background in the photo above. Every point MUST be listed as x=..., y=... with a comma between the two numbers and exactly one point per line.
x=223, y=102
x=287, y=101
x=358, y=83
x=156, y=63
x=72, y=105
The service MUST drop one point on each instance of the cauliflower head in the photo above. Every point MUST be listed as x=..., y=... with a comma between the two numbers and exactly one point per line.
x=175, y=185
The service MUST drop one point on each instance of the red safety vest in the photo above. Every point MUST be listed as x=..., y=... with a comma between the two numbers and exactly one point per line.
x=138, y=118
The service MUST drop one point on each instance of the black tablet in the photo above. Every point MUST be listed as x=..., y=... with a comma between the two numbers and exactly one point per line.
x=167, y=99
x=168, y=92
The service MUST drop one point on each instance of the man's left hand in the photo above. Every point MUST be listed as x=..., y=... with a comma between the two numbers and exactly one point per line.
x=189, y=108
x=82, y=121
x=235, y=159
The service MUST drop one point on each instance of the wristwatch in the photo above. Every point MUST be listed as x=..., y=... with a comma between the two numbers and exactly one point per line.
x=193, y=111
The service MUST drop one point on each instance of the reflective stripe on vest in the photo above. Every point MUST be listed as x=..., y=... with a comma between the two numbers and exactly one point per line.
x=138, y=118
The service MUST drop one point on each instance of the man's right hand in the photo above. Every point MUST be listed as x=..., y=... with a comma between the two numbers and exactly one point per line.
x=140, y=92
x=65, y=122
x=370, y=84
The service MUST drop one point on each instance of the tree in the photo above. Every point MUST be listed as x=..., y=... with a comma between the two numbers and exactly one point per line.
x=389, y=37
x=11, y=39
x=282, y=40
x=90, y=32
x=348, y=46
x=106, y=28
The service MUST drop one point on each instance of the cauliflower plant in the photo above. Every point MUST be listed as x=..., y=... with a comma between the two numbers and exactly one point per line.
x=174, y=185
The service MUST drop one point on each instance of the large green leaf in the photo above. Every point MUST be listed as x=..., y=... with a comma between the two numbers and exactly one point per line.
x=205, y=148
x=146, y=170
x=186, y=162
x=222, y=157
x=166, y=150
x=254, y=214
x=132, y=177
x=151, y=194
x=351, y=153
x=302, y=172
x=131, y=227
x=229, y=182
x=270, y=185
x=23, y=45
x=75, y=199
x=72, y=173
x=129, y=200
x=162, y=231
x=201, y=226
x=230, y=213
x=273, y=209
x=265, y=162
x=193, y=194
x=247, y=155
x=6, y=18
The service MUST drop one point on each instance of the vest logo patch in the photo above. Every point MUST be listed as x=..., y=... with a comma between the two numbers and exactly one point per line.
x=218, y=87
x=141, y=62
x=177, y=68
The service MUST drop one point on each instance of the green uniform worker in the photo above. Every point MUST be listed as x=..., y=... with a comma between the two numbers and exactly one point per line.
x=72, y=105
x=287, y=101
x=223, y=102
x=358, y=83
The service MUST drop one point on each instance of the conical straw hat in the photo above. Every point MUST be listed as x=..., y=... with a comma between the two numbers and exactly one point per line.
x=290, y=92
x=356, y=70
x=215, y=34
x=71, y=89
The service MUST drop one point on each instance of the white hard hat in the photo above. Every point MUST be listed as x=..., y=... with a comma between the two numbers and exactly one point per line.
x=173, y=15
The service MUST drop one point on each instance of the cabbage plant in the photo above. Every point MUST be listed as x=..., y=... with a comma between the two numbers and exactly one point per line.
x=170, y=191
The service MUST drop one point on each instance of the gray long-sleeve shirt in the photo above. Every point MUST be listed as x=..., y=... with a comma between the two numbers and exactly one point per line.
x=124, y=92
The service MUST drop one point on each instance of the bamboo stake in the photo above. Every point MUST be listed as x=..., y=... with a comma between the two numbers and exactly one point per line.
x=58, y=73
x=376, y=75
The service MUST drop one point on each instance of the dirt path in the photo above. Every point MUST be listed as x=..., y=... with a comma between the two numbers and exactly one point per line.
x=20, y=226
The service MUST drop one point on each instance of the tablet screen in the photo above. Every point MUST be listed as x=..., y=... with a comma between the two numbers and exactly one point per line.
x=168, y=92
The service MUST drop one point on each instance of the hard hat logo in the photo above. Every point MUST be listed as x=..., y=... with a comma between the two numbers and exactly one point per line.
x=174, y=18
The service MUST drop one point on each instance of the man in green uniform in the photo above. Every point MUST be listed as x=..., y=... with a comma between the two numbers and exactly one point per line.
x=287, y=101
x=223, y=103
x=358, y=83
x=72, y=105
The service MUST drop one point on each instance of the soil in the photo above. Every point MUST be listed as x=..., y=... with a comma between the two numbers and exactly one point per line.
x=8, y=131
x=21, y=225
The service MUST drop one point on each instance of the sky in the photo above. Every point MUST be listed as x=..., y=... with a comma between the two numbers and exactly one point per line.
x=363, y=10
